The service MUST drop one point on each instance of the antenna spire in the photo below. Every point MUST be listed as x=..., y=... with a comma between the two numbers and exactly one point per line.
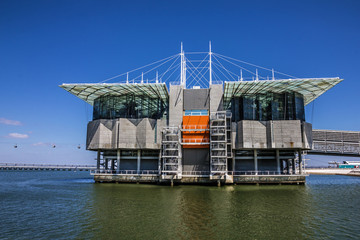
x=273, y=75
x=257, y=75
x=241, y=77
x=127, y=78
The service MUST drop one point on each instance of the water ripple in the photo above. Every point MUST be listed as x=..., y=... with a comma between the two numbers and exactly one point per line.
x=63, y=205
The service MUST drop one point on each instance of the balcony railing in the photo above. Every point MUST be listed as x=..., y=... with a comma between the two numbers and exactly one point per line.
x=247, y=173
x=125, y=172
x=189, y=173
x=195, y=173
x=195, y=141
x=195, y=127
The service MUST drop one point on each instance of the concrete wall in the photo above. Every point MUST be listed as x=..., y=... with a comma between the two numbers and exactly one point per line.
x=216, y=98
x=196, y=99
x=196, y=159
x=287, y=134
x=307, y=135
x=123, y=133
x=100, y=134
x=251, y=134
x=176, y=106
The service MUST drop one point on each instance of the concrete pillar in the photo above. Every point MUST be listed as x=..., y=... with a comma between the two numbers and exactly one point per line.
x=300, y=163
x=278, y=161
x=138, y=160
x=106, y=163
x=288, y=166
x=233, y=162
x=113, y=164
x=118, y=161
x=255, y=161
x=159, y=162
x=294, y=166
x=98, y=160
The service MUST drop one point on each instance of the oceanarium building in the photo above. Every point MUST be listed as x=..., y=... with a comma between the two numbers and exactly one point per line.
x=227, y=132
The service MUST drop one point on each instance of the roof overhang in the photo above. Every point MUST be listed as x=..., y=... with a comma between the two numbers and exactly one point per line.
x=90, y=91
x=310, y=88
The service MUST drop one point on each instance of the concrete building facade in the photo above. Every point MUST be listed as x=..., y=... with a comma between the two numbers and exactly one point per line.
x=234, y=132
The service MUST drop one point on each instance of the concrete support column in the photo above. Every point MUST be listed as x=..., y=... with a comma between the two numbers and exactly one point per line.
x=113, y=164
x=278, y=161
x=106, y=164
x=233, y=162
x=294, y=166
x=300, y=163
x=159, y=162
x=255, y=161
x=281, y=166
x=288, y=166
x=98, y=160
x=118, y=161
x=138, y=160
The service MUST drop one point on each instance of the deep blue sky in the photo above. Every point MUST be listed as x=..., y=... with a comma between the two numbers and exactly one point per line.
x=46, y=43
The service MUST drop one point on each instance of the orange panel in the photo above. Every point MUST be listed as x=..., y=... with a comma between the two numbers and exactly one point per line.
x=199, y=122
x=190, y=135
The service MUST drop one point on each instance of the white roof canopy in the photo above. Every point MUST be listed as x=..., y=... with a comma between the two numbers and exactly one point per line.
x=90, y=91
x=310, y=88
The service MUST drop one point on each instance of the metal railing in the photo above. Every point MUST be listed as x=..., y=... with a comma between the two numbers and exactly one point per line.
x=336, y=147
x=196, y=173
x=195, y=127
x=44, y=165
x=125, y=172
x=196, y=141
x=220, y=115
x=247, y=173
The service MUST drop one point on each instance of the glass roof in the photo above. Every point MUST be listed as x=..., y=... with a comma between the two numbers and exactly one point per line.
x=310, y=88
x=90, y=91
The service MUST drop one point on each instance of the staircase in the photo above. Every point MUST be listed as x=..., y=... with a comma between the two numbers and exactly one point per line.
x=171, y=153
x=220, y=143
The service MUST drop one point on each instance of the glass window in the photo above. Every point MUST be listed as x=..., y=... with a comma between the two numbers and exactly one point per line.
x=270, y=106
x=250, y=108
x=128, y=106
x=299, y=107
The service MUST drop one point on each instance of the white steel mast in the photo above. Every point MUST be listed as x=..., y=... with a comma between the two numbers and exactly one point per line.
x=210, y=63
x=182, y=67
x=181, y=64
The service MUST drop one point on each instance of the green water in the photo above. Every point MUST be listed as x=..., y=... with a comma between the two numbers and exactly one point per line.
x=68, y=205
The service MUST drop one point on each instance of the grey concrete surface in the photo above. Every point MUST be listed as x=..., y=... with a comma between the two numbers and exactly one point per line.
x=176, y=105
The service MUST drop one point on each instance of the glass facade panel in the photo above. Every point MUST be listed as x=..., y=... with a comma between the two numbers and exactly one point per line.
x=249, y=108
x=289, y=102
x=128, y=106
x=270, y=106
x=277, y=107
x=196, y=112
x=299, y=107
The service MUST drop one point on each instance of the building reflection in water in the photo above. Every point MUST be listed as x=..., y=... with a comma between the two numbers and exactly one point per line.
x=197, y=212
